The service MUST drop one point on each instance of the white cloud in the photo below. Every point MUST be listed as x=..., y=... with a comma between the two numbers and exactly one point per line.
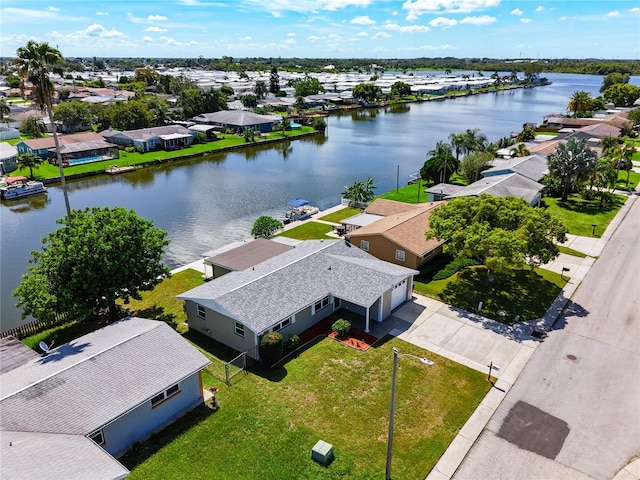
x=157, y=18
x=481, y=20
x=53, y=9
x=394, y=13
x=156, y=29
x=526, y=20
x=170, y=40
x=405, y=28
x=517, y=11
x=613, y=13
x=634, y=10
x=337, y=4
x=443, y=22
x=433, y=47
x=416, y=8
x=289, y=41
x=563, y=19
x=363, y=34
x=364, y=20
x=380, y=35
x=97, y=30
x=146, y=38
x=102, y=13
x=291, y=34
x=246, y=39
x=314, y=38
x=540, y=8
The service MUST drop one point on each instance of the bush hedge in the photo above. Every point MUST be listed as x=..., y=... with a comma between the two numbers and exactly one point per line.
x=342, y=327
x=271, y=348
x=454, y=267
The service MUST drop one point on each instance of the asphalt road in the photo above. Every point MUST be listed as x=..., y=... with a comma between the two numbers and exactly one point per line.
x=574, y=412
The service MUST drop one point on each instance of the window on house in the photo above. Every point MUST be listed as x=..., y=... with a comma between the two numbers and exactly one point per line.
x=202, y=311
x=319, y=305
x=364, y=245
x=168, y=393
x=97, y=437
x=283, y=324
x=400, y=255
x=239, y=329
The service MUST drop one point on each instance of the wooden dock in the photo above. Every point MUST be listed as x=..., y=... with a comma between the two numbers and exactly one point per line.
x=114, y=169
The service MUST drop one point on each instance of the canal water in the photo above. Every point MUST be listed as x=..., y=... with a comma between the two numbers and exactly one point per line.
x=209, y=202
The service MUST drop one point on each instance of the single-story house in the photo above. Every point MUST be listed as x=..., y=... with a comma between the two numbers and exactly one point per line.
x=511, y=184
x=208, y=130
x=239, y=120
x=8, y=158
x=168, y=137
x=71, y=412
x=8, y=132
x=242, y=256
x=533, y=167
x=75, y=148
x=399, y=237
x=293, y=291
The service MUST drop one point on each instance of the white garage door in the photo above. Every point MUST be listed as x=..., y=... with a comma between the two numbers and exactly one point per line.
x=399, y=294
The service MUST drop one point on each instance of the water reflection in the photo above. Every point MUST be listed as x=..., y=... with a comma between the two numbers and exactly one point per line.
x=398, y=108
x=22, y=205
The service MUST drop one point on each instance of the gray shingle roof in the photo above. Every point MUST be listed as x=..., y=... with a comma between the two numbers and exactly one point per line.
x=55, y=456
x=279, y=287
x=84, y=384
x=534, y=167
x=512, y=184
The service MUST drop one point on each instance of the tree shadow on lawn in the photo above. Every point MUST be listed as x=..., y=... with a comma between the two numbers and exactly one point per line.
x=590, y=207
x=157, y=313
x=524, y=293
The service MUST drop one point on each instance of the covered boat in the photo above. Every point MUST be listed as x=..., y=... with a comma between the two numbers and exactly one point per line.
x=299, y=209
x=18, y=187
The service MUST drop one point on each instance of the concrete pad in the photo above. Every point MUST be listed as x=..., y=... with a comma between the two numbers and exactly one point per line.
x=511, y=372
x=436, y=475
x=482, y=346
x=437, y=329
x=456, y=452
x=477, y=421
x=493, y=398
x=409, y=311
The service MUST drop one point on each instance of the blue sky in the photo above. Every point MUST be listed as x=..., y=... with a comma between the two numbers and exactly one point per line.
x=326, y=28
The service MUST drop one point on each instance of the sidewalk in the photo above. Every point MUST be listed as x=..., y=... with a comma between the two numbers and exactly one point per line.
x=475, y=348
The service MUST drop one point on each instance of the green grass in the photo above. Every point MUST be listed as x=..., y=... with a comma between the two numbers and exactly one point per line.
x=407, y=194
x=621, y=183
x=161, y=302
x=337, y=217
x=308, y=231
x=525, y=293
x=269, y=420
x=157, y=304
x=47, y=170
x=571, y=251
x=578, y=215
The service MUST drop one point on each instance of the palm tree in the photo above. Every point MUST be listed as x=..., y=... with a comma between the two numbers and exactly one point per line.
x=359, y=192
x=570, y=162
x=29, y=160
x=4, y=108
x=520, y=150
x=474, y=141
x=457, y=143
x=34, y=61
x=260, y=89
x=579, y=103
x=33, y=126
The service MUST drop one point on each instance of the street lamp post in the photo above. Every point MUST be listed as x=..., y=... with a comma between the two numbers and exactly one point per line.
x=396, y=355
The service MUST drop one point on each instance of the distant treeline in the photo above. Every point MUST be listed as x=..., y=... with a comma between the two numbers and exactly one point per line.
x=586, y=66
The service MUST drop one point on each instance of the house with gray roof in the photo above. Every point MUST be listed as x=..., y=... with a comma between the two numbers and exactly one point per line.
x=239, y=120
x=167, y=137
x=71, y=412
x=293, y=291
x=533, y=167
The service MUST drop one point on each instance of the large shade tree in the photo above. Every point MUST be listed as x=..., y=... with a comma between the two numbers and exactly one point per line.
x=99, y=255
x=34, y=62
x=572, y=161
x=501, y=232
x=440, y=164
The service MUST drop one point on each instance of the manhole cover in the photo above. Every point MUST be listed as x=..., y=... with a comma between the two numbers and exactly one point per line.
x=572, y=357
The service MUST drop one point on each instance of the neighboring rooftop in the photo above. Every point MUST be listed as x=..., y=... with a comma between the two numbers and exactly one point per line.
x=248, y=254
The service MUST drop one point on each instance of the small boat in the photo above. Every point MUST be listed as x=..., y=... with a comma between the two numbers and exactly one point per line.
x=299, y=209
x=114, y=169
x=18, y=187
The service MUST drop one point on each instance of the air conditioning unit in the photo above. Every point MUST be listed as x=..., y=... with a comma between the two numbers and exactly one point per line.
x=322, y=452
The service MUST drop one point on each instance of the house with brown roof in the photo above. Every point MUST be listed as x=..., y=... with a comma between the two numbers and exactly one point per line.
x=75, y=148
x=242, y=256
x=398, y=236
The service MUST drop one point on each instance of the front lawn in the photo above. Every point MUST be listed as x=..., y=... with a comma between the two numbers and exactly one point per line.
x=308, y=231
x=621, y=183
x=525, y=293
x=269, y=420
x=337, y=217
x=407, y=194
x=579, y=215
